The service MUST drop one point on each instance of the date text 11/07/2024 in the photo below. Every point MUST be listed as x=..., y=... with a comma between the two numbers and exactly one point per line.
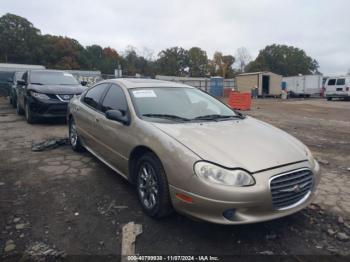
x=173, y=258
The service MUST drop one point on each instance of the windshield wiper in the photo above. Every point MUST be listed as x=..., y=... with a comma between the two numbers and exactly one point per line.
x=39, y=84
x=166, y=116
x=217, y=117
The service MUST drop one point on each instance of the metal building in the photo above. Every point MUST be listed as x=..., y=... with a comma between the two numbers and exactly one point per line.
x=268, y=83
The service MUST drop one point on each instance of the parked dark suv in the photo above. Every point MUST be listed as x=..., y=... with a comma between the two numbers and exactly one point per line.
x=45, y=93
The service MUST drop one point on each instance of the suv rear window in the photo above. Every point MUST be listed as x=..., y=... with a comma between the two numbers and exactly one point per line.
x=340, y=81
x=331, y=82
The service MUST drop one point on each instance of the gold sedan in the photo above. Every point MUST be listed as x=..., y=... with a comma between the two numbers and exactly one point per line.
x=186, y=151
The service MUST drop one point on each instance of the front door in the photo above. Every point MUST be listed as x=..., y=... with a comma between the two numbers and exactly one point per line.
x=87, y=116
x=115, y=136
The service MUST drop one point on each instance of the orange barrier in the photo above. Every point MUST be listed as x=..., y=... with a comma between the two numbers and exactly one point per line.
x=241, y=101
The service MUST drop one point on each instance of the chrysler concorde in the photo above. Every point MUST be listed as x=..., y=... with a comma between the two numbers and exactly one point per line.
x=184, y=150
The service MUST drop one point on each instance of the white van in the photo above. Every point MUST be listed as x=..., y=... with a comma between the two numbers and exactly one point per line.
x=338, y=87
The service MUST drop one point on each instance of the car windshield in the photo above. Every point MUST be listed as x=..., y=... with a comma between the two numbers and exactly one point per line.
x=52, y=78
x=179, y=104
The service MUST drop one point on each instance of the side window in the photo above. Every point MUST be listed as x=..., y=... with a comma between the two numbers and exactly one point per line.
x=93, y=96
x=340, y=81
x=115, y=100
x=25, y=76
x=331, y=82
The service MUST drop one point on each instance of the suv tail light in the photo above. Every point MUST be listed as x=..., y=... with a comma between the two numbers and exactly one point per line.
x=347, y=88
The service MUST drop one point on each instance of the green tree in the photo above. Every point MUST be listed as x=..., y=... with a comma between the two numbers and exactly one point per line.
x=93, y=56
x=283, y=60
x=61, y=52
x=18, y=39
x=221, y=65
x=133, y=64
x=110, y=61
x=173, y=62
x=197, y=62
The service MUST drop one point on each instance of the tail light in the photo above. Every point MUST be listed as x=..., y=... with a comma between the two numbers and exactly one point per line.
x=347, y=88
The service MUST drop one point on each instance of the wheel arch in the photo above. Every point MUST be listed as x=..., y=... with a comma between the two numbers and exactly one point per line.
x=135, y=154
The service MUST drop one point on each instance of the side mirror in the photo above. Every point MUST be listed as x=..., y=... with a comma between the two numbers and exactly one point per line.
x=83, y=83
x=9, y=80
x=117, y=115
x=21, y=82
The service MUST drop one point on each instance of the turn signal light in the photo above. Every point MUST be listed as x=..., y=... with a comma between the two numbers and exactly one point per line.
x=184, y=198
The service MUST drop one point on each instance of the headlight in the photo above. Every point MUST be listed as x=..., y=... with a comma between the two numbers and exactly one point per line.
x=218, y=175
x=39, y=95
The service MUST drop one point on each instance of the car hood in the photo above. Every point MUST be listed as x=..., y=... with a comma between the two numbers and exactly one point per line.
x=249, y=143
x=57, y=89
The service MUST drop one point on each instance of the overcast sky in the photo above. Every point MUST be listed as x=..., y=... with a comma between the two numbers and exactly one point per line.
x=321, y=28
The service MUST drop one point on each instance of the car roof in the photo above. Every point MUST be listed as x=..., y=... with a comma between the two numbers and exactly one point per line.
x=144, y=82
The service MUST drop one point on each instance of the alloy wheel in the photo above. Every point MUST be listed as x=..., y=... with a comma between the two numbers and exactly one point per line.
x=73, y=134
x=148, y=186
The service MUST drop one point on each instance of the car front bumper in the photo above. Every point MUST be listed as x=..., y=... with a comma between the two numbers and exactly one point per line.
x=47, y=108
x=249, y=204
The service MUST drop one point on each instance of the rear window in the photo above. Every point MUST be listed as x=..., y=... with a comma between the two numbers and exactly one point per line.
x=331, y=82
x=340, y=81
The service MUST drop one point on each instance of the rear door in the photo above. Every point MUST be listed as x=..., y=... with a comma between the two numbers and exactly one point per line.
x=88, y=114
x=340, y=86
x=347, y=87
x=115, y=136
x=330, y=86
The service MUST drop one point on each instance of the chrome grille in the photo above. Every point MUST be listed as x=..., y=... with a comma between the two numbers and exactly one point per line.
x=290, y=188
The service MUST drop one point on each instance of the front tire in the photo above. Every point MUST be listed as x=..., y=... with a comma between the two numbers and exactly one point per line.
x=329, y=98
x=152, y=186
x=29, y=115
x=74, y=138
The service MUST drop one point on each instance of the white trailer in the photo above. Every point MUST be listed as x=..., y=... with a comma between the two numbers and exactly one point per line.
x=305, y=85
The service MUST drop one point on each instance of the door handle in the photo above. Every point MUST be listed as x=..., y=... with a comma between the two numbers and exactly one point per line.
x=97, y=120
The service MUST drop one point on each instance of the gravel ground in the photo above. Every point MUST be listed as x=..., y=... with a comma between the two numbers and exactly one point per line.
x=59, y=203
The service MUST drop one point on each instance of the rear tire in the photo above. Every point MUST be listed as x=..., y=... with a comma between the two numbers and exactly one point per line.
x=152, y=186
x=329, y=98
x=29, y=115
x=74, y=137
x=19, y=110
